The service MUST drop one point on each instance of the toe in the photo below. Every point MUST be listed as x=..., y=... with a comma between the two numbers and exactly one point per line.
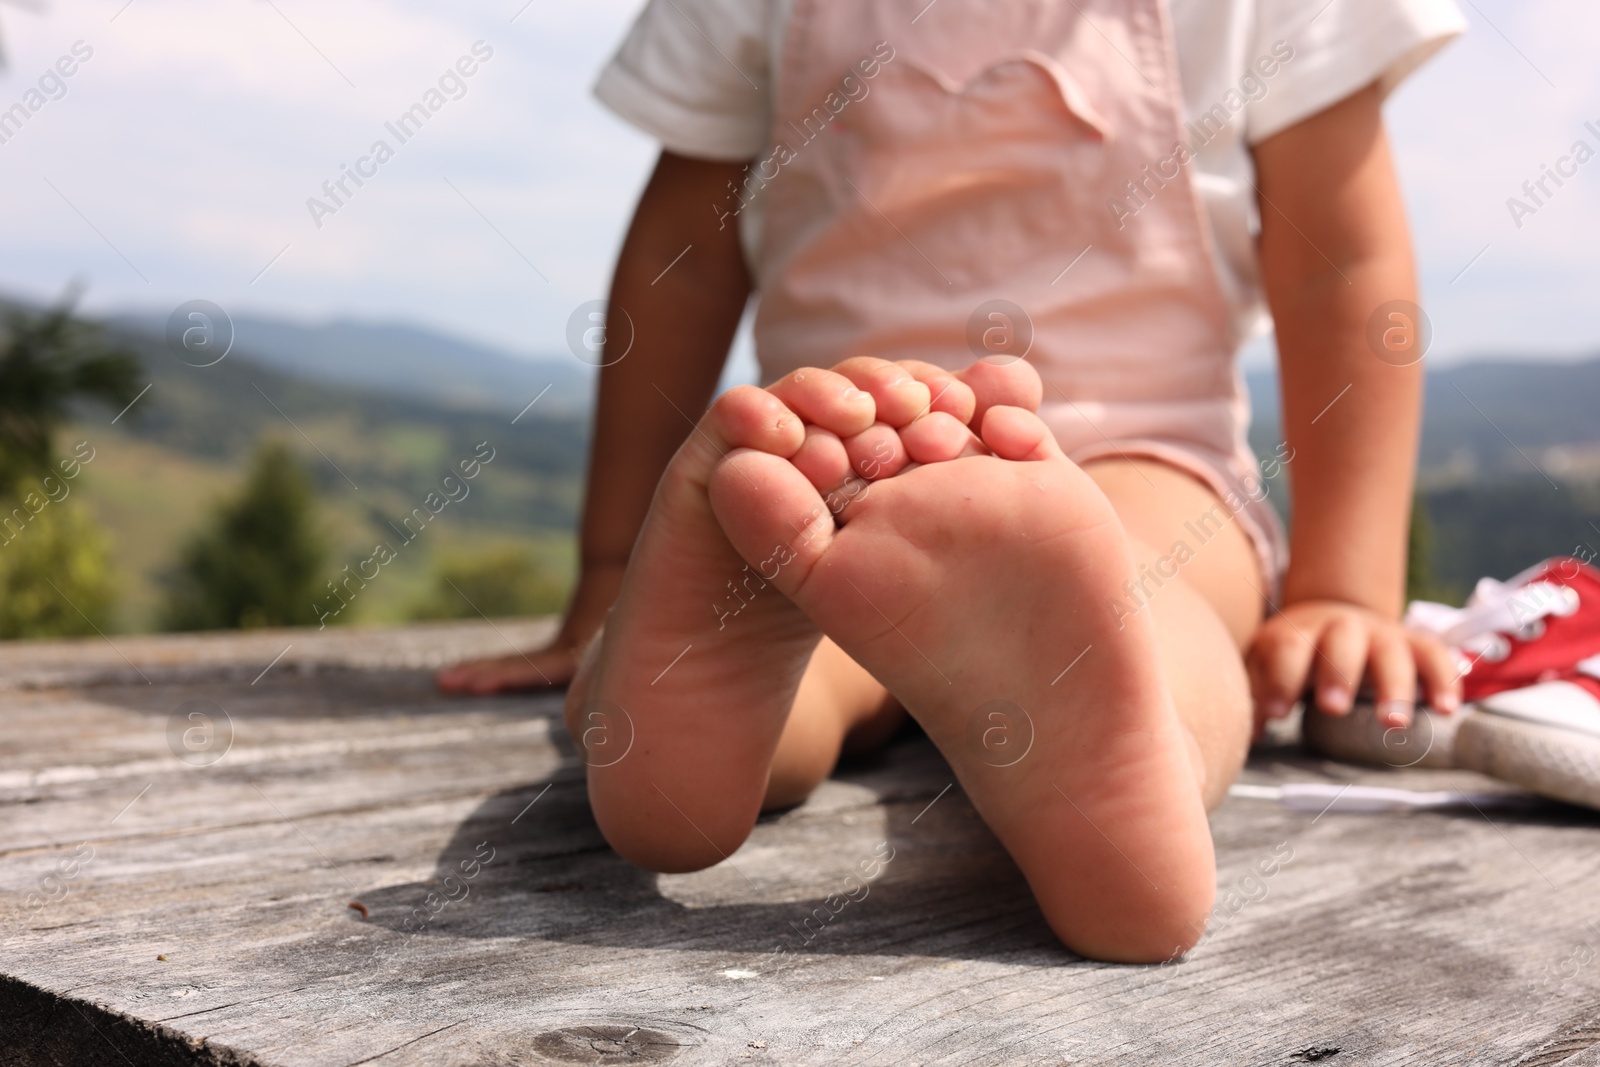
x=939, y=437
x=1015, y=434
x=827, y=399
x=822, y=459
x=1004, y=380
x=747, y=417
x=877, y=453
x=897, y=393
x=771, y=514
x=951, y=395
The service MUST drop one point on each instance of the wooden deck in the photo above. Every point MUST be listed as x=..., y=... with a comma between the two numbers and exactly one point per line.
x=162, y=910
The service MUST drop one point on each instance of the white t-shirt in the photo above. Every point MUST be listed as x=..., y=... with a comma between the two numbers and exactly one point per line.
x=698, y=75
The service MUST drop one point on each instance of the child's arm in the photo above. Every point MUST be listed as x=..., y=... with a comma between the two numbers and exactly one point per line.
x=1334, y=246
x=683, y=323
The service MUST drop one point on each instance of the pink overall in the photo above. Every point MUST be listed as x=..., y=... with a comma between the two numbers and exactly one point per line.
x=957, y=206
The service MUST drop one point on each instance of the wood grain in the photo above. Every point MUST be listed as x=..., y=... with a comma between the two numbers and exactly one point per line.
x=500, y=930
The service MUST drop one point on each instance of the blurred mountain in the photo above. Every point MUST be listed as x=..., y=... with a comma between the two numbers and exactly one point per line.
x=395, y=357
x=1479, y=414
x=382, y=412
x=386, y=439
x=1493, y=418
x=1510, y=464
x=376, y=455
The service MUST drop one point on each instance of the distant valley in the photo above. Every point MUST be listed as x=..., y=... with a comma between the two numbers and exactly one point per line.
x=404, y=359
x=379, y=411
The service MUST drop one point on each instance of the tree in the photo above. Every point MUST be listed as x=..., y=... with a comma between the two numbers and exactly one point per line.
x=55, y=576
x=257, y=564
x=1421, y=582
x=501, y=579
x=48, y=361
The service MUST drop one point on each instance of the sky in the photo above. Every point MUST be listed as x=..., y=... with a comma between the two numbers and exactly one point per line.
x=177, y=163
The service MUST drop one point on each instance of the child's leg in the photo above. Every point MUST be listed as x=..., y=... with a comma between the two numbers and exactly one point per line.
x=839, y=708
x=1203, y=619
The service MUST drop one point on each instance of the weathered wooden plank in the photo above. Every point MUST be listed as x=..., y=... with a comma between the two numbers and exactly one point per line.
x=1445, y=937
x=147, y=659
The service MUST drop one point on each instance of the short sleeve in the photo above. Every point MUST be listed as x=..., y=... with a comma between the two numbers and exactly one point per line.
x=695, y=74
x=1340, y=47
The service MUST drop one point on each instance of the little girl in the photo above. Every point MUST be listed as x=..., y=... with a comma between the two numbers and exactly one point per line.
x=1028, y=237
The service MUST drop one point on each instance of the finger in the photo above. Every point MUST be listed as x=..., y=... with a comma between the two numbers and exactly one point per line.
x=1279, y=666
x=896, y=392
x=539, y=669
x=1441, y=678
x=951, y=395
x=1258, y=719
x=1393, y=674
x=939, y=437
x=824, y=398
x=1341, y=656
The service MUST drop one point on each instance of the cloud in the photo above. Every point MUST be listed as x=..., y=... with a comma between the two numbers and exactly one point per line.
x=1469, y=130
x=193, y=137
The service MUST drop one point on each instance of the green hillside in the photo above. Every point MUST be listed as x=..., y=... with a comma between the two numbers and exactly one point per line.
x=376, y=449
x=159, y=471
x=1496, y=528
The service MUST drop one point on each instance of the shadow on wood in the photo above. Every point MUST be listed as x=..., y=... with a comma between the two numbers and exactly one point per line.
x=947, y=888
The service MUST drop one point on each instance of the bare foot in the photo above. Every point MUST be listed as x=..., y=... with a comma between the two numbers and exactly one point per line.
x=991, y=578
x=681, y=705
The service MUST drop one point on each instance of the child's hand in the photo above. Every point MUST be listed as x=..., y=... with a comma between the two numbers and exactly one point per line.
x=553, y=664
x=1337, y=645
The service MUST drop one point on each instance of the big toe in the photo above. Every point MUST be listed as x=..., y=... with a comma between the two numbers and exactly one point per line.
x=1003, y=380
x=772, y=515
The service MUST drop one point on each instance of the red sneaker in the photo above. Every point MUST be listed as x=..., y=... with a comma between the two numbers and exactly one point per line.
x=1535, y=628
x=1530, y=656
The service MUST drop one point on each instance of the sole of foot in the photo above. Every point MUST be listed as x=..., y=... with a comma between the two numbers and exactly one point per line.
x=980, y=591
x=679, y=707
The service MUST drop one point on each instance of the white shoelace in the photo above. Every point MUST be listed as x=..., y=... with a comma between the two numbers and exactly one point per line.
x=1494, y=610
x=1323, y=797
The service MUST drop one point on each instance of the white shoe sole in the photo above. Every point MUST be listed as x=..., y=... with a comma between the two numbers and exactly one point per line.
x=1550, y=761
x=1562, y=764
x=1359, y=738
